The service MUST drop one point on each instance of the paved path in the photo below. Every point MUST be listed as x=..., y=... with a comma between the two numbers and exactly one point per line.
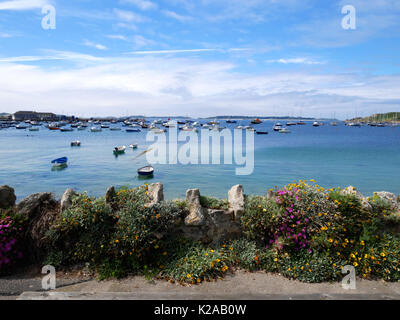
x=240, y=286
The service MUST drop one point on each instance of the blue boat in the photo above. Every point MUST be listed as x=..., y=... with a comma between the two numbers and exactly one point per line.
x=133, y=130
x=60, y=161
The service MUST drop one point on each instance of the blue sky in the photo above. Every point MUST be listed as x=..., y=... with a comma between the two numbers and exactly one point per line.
x=200, y=58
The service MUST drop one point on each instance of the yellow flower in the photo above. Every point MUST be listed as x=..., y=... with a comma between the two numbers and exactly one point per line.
x=188, y=275
x=355, y=264
x=276, y=259
x=116, y=241
x=383, y=254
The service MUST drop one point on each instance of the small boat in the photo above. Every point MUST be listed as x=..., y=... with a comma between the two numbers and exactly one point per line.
x=115, y=129
x=95, y=129
x=133, y=130
x=80, y=128
x=284, y=130
x=66, y=129
x=105, y=126
x=60, y=161
x=301, y=123
x=146, y=171
x=334, y=124
x=256, y=121
x=231, y=121
x=315, y=124
x=262, y=132
x=133, y=146
x=250, y=129
x=21, y=127
x=277, y=127
x=288, y=124
x=75, y=143
x=34, y=129
x=119, y=150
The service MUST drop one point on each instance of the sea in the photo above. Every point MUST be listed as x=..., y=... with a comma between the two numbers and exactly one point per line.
x=367, y=158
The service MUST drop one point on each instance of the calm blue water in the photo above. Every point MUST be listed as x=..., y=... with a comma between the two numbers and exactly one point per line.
x=366, y=157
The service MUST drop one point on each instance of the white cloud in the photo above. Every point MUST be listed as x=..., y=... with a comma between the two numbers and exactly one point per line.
x=95, y=45
x=23, y=4
x=172, y=51
x=141, y=4
x=157, y=85
x=5, y=35
x=117, y=37
x=129, y=16
x=295, y=61
x=176, y=16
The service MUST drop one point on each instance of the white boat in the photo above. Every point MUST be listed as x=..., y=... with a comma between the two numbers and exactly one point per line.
x=76, y=143
x=284, y=130
x=277, y=127
x=146, y=171
x=248, y=128
x=133, y=146
x=170, y=124
x=315, y=124
x=80, y=128
x=95, y=129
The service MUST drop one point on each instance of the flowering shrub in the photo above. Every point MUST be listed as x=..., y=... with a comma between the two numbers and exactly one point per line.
x=301, y=231
x=9, y=249
x=118, y=241
x=196, y=263
x=307, y=212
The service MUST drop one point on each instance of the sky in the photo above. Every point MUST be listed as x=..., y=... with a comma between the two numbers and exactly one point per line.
x=200, y=58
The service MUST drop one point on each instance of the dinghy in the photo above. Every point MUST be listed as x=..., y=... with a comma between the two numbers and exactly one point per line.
x=119, y=150
x=133, y=146
x=75, y=143
x=60, y=161
x=146, y=171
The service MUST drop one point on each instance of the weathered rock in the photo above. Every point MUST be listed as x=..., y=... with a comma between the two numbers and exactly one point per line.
x=7, y=197
x=41, y=211
x=236, y=201
x=222, y=227
x=350, y=190
x=156, y=193
x=197, y=214
x=111, y=195
x=66, y=199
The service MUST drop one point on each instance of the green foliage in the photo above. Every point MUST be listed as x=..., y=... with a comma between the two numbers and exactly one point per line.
x=260, y=214
x=214, y=203
x=197, y=263
x=310, y=267
x=302, y=231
